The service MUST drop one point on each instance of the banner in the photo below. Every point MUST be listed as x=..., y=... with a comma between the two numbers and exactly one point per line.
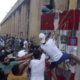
x=69, y=20
x=47, y=21
x=73, y=41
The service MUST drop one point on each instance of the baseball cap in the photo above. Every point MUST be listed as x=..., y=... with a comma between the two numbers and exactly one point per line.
x=42, y=37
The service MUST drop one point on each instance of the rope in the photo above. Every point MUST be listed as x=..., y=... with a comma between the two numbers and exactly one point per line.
x=73, y=22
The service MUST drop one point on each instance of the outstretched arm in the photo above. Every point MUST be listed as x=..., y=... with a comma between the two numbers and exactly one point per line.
x=25, y=57
x=23, y=66
x=55, y=35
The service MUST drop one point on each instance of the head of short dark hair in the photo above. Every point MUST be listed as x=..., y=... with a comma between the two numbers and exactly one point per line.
x=2, y=57
x=15, y=70
x=37, y=54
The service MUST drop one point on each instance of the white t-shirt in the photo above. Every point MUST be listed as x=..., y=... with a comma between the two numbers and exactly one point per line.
x=37, y=68
x=52, y=50
x=25, y=44
x=22, y=53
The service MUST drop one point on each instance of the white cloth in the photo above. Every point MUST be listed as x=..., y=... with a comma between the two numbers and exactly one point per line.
x=25, y=44
x=72, y=68
x=22, y=53
x=51, y=50
x=37, y=68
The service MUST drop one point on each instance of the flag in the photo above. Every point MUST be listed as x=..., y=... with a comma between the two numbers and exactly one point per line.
x=47, y=21
x=69, y=20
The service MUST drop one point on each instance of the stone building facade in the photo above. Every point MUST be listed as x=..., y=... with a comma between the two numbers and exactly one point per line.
x=23, y=20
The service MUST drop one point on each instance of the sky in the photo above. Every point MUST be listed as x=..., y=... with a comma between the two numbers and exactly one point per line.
x=5, y=6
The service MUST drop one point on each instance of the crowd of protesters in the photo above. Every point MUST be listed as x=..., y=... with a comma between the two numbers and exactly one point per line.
x=22, y=59
x=15, y=55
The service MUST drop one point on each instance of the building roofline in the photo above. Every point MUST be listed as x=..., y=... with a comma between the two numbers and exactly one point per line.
x=16, y=5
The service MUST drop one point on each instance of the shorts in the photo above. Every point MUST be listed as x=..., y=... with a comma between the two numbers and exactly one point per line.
x=64, y=57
